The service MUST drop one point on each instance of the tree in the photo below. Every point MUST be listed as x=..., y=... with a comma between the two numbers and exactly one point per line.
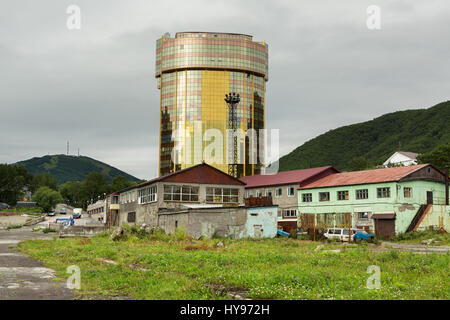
x=439, y=156
x=44, y=180
x=119, y=182
x=47, y=198
x=93, y=187
x=70, y=191
x=359, y=163
x=14, y=179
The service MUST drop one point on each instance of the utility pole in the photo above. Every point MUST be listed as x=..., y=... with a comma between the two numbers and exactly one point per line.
x=233, y=99
x=67, y=147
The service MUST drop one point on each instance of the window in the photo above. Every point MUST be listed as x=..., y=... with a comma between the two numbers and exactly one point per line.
x=383, y=192
x=249, y=194
x=268, y=192
x=363, y=215
x=407, y=192
x=289, y=213
x=290, y=191
x=258, y=193
x=342, y=195
x=147, y=195
x=180, y=193
x=362, y=194
x=131, y=217
x=225, y=195
x=307, y=197
x=278, y=192
x=324, y=196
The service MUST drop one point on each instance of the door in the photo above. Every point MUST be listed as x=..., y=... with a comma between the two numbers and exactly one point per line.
x=257, y=230
x=385, y=228
x=429, y=197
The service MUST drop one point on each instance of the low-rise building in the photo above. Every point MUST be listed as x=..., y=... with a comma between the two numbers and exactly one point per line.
x=198, y=185
x=385, y=201
x=282, y=189
x=401, y=158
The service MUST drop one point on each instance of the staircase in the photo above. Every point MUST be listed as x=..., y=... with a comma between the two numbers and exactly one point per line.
x=418, y=217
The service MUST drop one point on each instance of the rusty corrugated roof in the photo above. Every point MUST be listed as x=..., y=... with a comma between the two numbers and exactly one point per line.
x=364, y=177
x=284, y=177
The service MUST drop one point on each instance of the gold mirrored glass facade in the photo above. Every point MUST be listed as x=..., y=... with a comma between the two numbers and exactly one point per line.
x=194, y=71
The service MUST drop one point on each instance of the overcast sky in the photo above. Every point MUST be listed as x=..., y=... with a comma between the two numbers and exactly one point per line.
x=96, y=86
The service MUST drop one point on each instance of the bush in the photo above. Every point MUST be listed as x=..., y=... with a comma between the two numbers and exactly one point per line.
x=48, y=230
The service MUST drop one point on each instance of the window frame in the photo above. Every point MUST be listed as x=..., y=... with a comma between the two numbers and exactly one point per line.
x=307, y=197
x=324, y=193
x=409, y=190
x=363, y=192
x=383, y=192
x=346, y=195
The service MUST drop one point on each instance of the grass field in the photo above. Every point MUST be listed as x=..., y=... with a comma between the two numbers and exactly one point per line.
x=443, y=238
x=173, y=267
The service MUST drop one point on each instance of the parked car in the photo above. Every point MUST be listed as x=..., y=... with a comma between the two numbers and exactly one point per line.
x=340, y=233
x=62, y=211
x=77, y=213
x=51, y=214
x=364, y=236
x=4, y=206
x=301, y=232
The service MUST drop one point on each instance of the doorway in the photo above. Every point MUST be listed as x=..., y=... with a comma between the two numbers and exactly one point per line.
x=429, y=197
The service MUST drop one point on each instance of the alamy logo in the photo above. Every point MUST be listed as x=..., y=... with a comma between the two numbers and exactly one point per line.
x=74, y=281
x=374, y=19
x=374, y=281
x=74, y=18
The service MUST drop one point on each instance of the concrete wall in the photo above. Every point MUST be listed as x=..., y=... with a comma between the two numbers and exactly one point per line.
x=224, y=222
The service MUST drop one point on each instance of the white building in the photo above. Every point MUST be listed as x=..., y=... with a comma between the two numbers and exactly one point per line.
x=401, y=158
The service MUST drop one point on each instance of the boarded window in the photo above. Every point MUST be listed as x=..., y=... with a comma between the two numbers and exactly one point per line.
x=407, y=192
x=131, y=217
x=324, y=196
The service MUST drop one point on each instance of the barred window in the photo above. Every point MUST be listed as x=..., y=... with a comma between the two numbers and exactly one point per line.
x=383, y=192
x=180, y=193
x=220, y=195
x=342, y=195
x=362, y=194
x=307, y=197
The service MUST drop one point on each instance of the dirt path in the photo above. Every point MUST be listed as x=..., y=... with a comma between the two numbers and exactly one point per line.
x=419, y=248
x=22, y=278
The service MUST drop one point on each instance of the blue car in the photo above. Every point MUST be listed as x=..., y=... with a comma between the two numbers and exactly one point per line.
x=362, y=235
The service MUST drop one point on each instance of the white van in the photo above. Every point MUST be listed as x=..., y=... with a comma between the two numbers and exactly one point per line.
x=340, y=233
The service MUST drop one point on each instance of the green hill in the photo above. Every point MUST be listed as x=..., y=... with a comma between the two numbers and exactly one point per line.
x=417, y=130
x=72, y=168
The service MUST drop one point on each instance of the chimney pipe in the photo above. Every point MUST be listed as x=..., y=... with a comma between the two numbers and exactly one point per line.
x=446, y=185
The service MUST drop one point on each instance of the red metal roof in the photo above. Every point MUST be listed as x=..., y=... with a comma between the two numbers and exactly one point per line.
x=364, y=177
x=284, y=177
x=202, y=173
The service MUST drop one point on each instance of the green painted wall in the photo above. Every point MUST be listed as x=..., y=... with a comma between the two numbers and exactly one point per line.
x=404, y=208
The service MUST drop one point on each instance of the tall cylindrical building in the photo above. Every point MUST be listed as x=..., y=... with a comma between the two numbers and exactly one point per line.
x=194, y=71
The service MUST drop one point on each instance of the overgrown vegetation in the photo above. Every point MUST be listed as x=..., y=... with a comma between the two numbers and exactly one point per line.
x=442, y=237
x=159, y=266
x=374, y=141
